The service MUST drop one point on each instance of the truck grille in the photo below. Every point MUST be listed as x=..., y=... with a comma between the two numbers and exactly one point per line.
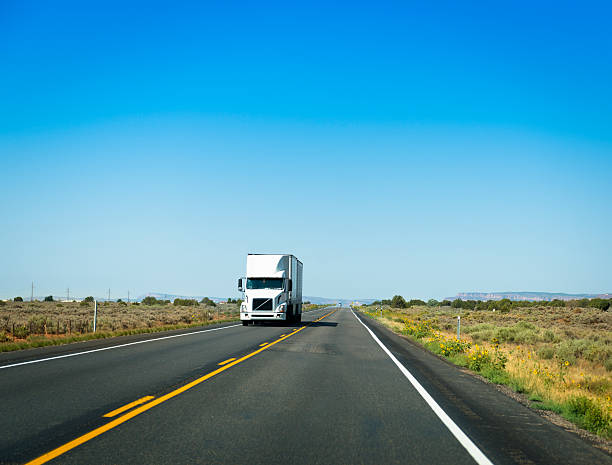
x=262, y=304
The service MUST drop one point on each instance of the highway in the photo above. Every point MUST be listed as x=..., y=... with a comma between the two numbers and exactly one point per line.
x=335, y=389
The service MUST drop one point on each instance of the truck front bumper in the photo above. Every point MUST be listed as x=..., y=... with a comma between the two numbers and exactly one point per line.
x=260, y=316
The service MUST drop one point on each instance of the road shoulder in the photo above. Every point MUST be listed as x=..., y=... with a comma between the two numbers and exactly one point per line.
x=486, y=412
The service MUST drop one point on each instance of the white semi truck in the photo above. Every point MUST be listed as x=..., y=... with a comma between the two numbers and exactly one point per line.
x=272, y=289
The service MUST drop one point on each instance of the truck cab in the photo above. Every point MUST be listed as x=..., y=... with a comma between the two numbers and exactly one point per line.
x=272, y=289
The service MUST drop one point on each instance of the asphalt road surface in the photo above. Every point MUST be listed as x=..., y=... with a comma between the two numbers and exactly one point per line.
x=327, y=391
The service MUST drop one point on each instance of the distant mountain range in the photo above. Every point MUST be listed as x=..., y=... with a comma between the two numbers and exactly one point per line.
x=547, y=296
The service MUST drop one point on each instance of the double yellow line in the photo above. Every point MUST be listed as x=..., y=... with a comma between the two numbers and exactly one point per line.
x=149, y=405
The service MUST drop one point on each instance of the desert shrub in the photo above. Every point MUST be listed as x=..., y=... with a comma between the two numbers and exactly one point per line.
x=600, y=304
x=549, y=336
x=590, y=415
x=49, y=298
x=210, y=303
x=546, y=352
x=571, y=349
x=18, y=299
x=149, y=300
x=84, y=303
x=415, y=302
x=480, y=332
x=2, y=303
x=88, y=299
x=597, y=352
x=4, y=337
x=186, y=302
x=21, y=332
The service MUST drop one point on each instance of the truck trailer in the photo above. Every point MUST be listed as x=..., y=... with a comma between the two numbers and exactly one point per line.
x=272, y=289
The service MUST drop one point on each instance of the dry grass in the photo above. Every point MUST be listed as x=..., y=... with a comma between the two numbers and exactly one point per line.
x=22, y=320
x=560, y=357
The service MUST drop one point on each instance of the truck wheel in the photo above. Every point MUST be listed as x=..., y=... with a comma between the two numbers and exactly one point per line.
x=245, y=323
x=298, y=318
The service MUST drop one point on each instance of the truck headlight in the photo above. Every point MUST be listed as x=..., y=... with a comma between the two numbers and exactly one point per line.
x=281, y=308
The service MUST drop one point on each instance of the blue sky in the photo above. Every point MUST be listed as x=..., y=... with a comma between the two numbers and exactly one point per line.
x=395, y=148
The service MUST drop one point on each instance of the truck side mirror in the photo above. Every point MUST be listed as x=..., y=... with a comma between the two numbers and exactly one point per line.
x=240, y=287
x=289, y=285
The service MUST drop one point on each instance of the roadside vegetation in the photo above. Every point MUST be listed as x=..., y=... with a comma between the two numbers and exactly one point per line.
x=559, y=354
x=35, y=324
x=25, y=325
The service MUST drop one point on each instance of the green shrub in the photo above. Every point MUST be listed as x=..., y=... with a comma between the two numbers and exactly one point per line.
x=186, y=302
x=149, y=300
x=572, y=349
x=4, y=337
x=18, y=299
x=84, y=303
x=546, y=352
x=608, y=364
x=210, y=303
x=21, y=332
x=88, y=299
x=590, y=415
x=49, y=298
x=398, y=302
x=549, y=336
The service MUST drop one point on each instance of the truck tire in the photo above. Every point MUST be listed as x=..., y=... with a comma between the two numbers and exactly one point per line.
x=298, y=318
x=245, y=323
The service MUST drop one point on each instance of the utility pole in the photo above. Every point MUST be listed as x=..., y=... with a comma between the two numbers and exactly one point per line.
x=32, y=294
x=109, y=294
x=128, y=297
x=68, y=295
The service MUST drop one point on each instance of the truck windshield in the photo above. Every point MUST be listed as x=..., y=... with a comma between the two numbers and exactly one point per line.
x=264, y=283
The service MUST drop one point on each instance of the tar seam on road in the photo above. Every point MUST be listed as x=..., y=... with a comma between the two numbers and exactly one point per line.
x=463, y=439
x=114, y=347
x=122, y=419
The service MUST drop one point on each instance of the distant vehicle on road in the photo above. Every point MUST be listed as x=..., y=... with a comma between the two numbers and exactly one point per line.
x=272, y=289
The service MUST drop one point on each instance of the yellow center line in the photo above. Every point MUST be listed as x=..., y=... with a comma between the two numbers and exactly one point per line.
x=227, y=361
x=264, y=344
x=116, y=412
x=122, y=419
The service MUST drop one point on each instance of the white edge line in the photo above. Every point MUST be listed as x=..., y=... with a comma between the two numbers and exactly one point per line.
x=113, y=347
x=463, y=439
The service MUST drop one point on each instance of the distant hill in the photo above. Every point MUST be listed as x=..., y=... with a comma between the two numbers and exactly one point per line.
x=332, y=301
x=546, y=296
